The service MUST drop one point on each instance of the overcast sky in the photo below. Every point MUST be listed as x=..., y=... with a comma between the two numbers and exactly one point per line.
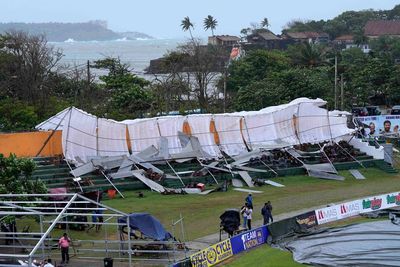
x=162, y=18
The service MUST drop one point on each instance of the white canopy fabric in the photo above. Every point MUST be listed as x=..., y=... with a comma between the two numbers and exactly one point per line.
x=143, y=133
x=52, y=122
x=111, y=138
x=79, y=137
x=200, y=128
x=169, y=128
x=300, y=121
x=230, y=135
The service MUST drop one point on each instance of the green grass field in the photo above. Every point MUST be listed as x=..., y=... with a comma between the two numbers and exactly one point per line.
x=264, y=256
x=201, y=213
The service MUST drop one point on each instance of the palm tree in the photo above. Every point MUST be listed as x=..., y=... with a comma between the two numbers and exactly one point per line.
x=265, y=23
x=210, y=23
x=186, y=24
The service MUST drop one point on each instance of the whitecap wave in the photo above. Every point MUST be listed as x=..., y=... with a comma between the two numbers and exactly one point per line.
x=69, y=40
x=122, y=39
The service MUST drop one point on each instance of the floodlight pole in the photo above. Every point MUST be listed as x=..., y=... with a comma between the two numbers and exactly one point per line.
x=336, y=96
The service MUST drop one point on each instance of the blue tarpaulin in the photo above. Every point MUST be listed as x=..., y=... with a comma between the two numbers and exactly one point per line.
x=147, y=225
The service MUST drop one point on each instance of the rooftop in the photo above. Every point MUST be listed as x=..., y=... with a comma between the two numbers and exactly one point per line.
x=382, y=27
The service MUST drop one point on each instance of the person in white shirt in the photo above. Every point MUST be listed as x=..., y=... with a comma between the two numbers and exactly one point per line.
x=249, y=216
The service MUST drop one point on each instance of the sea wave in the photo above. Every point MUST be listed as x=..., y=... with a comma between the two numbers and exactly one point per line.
x=124, y=39
x=69, y=40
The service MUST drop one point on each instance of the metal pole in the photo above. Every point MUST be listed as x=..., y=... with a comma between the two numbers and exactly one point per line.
x=44, y=236
x=225, y=90
x=341, y=92
x=173, y=234
x=336, y=100
x=41, y=231
x=183, y=233
x=53, y=132
x=66, y=138
x=129, y=241
x=108, y=179
x=248, y=133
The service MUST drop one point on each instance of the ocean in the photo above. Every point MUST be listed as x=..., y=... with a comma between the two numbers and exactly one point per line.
x=136, y=53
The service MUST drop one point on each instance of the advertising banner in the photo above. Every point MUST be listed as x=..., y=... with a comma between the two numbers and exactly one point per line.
x=212, y=255
x=380, y=202
x=249, y=239
x=307, y=219
x=379, y=122
x=353, y=208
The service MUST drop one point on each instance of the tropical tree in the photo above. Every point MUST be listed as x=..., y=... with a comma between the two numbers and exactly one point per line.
x=210, y=23
x=265, y=23
x=187, y=25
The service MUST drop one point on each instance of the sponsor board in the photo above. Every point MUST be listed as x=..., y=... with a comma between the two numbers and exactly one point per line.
x=338, y=212
x=328, y=214
x=307, y=220
x=380, y=202
x=249, y=239
x=353, y=208
x=379, y=121
x=212, y=255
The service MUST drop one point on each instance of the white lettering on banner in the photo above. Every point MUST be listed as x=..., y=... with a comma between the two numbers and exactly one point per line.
x=328, y=214
x=349, y=209
x=353, y=208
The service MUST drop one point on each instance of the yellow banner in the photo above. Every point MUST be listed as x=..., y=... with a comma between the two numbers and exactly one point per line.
x=212, y=255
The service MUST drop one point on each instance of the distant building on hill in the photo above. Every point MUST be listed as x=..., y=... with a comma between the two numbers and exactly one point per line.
x=266, y=39
x=224, y=40
x=347, y=41
x=310, y=37
x=377, y=28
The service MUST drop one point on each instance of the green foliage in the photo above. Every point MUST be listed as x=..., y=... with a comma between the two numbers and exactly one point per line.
x=284, y=86
x=307, y=55
x=14, y=176
x=16, y=115
x=128, y=96
x=349, y=22
x=210, y=23
x=255, y=66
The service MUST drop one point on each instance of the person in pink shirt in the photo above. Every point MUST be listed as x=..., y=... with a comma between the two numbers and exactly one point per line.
x=63, y=244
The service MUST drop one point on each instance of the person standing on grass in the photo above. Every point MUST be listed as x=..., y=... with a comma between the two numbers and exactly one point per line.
x=249, y=200
x=243, y=211
x=249, y=216
x=266, y=212
x=63, y=244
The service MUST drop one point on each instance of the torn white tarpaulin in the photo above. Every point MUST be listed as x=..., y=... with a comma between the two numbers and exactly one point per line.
x=300, y=121
x=200, y=127
x=111, y=138
x=79, y=137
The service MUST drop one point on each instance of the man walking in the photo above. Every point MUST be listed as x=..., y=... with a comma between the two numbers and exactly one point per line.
x=266, y=212
x=63, y=244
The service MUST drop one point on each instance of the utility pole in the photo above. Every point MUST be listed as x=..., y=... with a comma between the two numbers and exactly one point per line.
x=88, y=74
x=336, y=96
x=224, y=90
x=341, y=92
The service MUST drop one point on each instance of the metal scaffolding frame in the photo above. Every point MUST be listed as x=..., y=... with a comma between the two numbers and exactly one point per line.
x=50, y=212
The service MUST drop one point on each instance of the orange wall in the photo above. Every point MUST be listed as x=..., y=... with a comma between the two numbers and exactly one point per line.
x=28, y=144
